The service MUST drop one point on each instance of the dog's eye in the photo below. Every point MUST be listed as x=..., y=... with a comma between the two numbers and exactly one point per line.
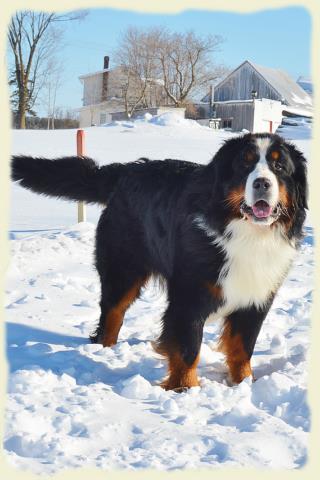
x=247, y=165
x=278, y=166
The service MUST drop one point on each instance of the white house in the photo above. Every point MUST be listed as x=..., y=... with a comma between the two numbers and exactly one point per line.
x=102, y=100
x=98, y=101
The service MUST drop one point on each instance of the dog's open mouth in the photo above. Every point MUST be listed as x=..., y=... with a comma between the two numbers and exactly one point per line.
x=260, y=211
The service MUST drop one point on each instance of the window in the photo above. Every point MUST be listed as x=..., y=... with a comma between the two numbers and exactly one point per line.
x=227, y=123
x=103, y=118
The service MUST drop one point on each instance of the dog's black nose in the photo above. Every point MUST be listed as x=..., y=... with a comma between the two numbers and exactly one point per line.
x=262, y=184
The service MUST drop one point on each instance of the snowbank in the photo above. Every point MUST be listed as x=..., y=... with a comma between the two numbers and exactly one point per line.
x=74, y=404
x=171, y=119
x=167, y=119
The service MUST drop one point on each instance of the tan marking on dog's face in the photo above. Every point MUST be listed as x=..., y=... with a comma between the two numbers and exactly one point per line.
x=286, y=219
x=237, y=358
x=275, y=155
x=249, y=156
x=283, y=196
x=235, y=198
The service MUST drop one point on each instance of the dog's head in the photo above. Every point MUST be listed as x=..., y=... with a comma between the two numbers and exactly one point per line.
x=261, y=178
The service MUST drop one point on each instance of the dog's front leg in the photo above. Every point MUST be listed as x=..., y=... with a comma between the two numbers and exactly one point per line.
x=240, y=332
x=181, y=336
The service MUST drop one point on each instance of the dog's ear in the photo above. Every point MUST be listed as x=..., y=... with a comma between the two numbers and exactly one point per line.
x=221, y=163
x=299, y=176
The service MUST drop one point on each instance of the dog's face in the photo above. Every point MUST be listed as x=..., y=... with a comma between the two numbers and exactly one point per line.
x=262, y=178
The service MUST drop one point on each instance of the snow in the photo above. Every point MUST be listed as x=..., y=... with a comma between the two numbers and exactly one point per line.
x=306, y=100
x=296, y=110
x=299, y=129
x=75, y=404
x=167, y=119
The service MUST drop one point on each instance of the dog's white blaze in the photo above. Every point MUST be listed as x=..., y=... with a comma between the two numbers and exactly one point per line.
x=262, y=170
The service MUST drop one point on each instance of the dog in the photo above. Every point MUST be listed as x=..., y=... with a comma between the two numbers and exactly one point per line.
x=222, y=235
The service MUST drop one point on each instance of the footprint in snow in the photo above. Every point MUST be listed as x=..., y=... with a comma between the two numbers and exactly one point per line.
x=42, y=296
x=85, y=303
x=20, y=301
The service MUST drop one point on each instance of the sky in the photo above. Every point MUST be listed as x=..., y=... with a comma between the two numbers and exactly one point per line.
x=277, y=38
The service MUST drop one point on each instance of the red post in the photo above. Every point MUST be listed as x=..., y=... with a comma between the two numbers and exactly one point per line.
x=80, y=142
x=81, y=153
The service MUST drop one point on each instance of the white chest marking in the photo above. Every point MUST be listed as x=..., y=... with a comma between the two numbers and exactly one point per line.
x=257, y=260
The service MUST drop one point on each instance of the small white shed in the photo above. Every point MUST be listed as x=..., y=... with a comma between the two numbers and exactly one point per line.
x=257, y=115
x=267, y=115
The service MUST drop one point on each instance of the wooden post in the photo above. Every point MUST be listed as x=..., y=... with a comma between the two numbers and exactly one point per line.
x=80, y=153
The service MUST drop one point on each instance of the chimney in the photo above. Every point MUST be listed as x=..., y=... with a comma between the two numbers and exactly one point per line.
x=105, y=62
x=105, y=75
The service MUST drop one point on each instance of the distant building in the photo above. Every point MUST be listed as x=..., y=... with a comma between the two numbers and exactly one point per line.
x=102, y=100
x=98, y=101
x=306, y=84
x=254, y=98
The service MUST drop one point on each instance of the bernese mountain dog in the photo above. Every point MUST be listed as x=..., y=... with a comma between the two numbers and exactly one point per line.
x=222, y=236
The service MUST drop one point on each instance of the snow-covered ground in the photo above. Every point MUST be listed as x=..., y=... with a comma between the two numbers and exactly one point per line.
x=73, y=404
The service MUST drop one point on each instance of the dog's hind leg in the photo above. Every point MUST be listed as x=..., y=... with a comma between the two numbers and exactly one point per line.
x=116, y=297
x=122, y=274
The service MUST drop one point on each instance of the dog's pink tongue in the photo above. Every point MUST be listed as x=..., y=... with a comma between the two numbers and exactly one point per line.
x=261, y=209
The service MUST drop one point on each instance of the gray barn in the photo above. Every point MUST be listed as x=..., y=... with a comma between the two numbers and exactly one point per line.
x=267, y=82
x=235, y=115
x=236, y=98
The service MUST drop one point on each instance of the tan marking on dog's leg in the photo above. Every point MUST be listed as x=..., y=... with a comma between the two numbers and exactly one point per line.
x=180, y=375
x=237, y=358
x=114, y=317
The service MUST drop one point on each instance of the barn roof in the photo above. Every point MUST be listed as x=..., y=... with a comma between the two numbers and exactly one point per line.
x=288, y=89
x=293, y=94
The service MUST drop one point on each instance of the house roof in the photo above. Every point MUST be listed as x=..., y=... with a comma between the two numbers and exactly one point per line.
x=280, y=81
x=94, y=74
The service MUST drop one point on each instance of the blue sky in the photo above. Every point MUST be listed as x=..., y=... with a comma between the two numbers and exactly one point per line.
x=278, y=38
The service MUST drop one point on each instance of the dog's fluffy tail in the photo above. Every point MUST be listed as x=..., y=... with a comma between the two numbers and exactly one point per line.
x=72, y=178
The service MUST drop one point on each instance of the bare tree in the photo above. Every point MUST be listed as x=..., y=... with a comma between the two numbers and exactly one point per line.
x=162, y=66
x=52, y=83
x=137, y=66
x=32, y=37
x=186, y=62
